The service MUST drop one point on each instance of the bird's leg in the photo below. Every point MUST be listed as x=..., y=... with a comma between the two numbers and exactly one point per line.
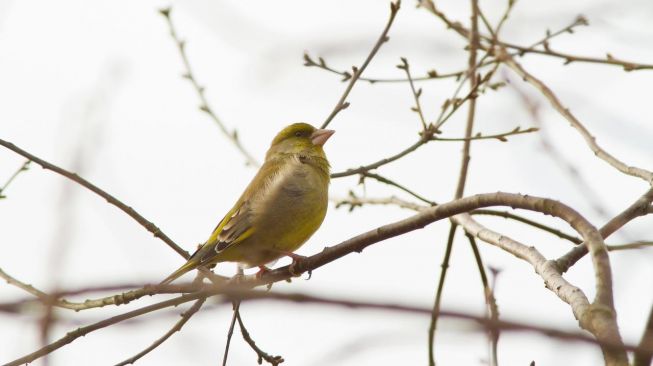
x=295, y=258
x=261, y=270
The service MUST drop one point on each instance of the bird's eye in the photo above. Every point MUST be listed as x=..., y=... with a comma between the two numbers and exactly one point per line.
x=298, y=134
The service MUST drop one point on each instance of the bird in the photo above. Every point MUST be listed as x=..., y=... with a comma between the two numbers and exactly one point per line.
x=281, y=208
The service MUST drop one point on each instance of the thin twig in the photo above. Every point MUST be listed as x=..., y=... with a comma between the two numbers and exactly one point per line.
x=490, y=301
x=149, y=226
x=262, y=355
x=397, y=185
x=511, y=216
x=464, y=32
x=478, y=136
x=204, y=104
x=417, y=93
x=346, y=75
x=22, y=168
x=424, y=138
x=575, y=123
x=356, y=72
x=464, y=167
x=438, y=295
x=635, y=245
x=185, y=316
x=354, y=201
x=230, y=332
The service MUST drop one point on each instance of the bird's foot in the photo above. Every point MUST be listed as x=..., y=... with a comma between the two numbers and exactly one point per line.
x=261, y=271
x=296, y=258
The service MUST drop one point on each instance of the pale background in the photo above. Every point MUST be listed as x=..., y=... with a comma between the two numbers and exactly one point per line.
x=95, y=87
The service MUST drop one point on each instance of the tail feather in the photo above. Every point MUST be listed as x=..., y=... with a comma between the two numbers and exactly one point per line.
x=189, y=266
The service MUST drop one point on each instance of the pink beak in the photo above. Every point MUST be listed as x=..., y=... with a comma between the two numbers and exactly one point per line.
x=320, y=137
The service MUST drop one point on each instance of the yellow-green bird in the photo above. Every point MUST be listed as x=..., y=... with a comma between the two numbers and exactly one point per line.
x=280, y=209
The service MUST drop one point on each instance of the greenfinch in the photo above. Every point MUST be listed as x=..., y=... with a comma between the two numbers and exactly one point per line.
x=283, y=205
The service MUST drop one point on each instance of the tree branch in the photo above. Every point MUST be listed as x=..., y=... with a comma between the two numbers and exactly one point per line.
x=638, y=208
x=342, y=103
x=185, y=316
x=204, y=104
x=149, y=226
x=23, y=167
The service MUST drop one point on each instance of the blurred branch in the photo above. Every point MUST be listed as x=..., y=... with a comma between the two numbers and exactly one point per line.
x=185, y=316
x=230, y=295
x=204, y=104
x=22, y=168
x=557, y=105
x=149, y=226
x=356, y=72
x=635, y=245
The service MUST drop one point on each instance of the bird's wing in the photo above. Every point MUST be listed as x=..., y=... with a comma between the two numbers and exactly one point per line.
x=237, y=224
x=235, y=227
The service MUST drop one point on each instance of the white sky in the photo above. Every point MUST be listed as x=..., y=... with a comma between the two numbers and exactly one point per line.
x=95, y=87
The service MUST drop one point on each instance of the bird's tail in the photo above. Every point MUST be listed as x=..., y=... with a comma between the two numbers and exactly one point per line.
x=189, y=266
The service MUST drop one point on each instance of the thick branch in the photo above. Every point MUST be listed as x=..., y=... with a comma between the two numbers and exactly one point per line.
x=638, y=208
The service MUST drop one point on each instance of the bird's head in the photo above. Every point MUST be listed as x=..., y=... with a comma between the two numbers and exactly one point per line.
x=299, y=138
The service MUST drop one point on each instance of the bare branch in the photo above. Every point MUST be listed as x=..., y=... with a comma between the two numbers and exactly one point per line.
x=185, y=316
x=248, y=295
x=638, y=208
x=464, y=32
x=230, y=332
x=499, y=136
x=557, y=105
x=262, y=355
x=417, y=93
x=438, y=294
x=22, y=168
x=346, y=75
x=204, y=104
x=342, y=103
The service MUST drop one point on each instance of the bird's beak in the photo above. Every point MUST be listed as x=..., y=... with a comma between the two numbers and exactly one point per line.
x=320, y=137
